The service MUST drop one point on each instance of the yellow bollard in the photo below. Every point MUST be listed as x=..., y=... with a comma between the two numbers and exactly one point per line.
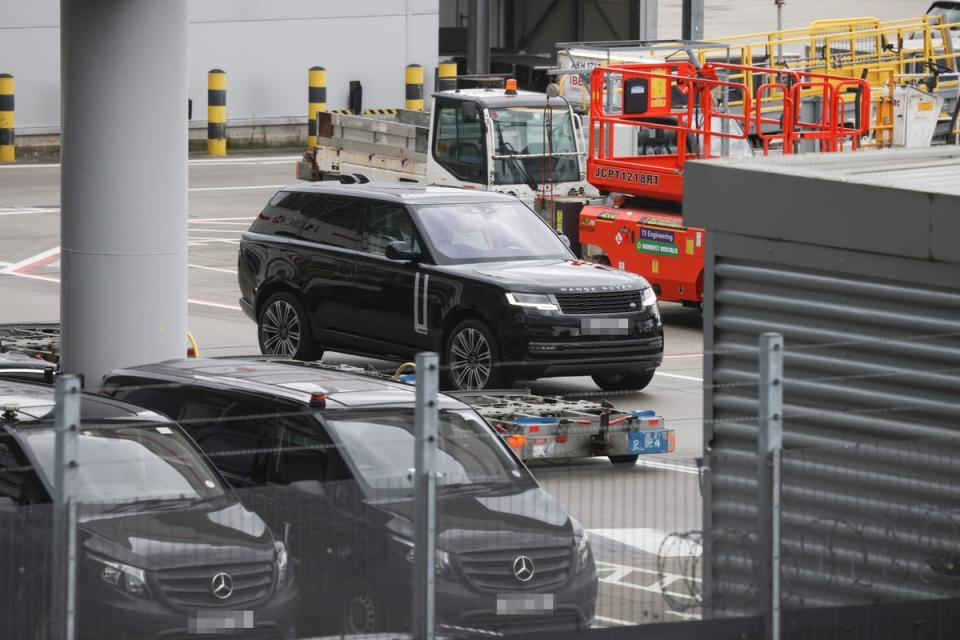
x=7, y=152
x=414, y=78
x=447, y=76
x=316, y=101
x=217, y=112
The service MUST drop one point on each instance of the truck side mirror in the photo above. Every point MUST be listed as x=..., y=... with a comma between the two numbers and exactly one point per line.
x=470, y=113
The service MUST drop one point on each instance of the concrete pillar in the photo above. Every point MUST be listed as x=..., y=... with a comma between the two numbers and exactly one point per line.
x=643, y=19
x=124, y=184
x=692, y=20
x=478, y=36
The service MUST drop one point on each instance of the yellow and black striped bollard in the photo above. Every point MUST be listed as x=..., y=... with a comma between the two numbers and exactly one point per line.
x=7, y=153
x=414, y=78
x=447, y=76
x=316, y=101
x=217, y=112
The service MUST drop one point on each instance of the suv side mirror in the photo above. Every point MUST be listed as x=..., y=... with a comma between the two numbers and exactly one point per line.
x=401, y=250
x=7, y=505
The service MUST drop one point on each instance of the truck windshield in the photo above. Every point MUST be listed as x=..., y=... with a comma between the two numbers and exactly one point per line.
x=537, y=143
x=122, y=464
x=379, y=446
x=487, y=232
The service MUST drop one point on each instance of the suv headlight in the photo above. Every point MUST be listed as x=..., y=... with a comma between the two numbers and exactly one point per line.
x=538, y=301
x=122, y=576
x=283, y=562
x=649, y=297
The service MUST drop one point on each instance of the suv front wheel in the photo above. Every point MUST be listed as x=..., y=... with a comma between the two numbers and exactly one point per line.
x=283, y=329
x=471, y=358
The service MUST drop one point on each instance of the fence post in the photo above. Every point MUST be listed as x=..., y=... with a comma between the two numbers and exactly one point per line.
x=413, y=77
x=217, y=112
x=7, y=148
x=425, y=493
x=64, y=553
x=316, y=101
x=769, y=446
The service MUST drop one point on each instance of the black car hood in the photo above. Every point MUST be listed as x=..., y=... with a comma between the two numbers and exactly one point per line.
x=551, y=276
x=221, y=531
x=488, y=520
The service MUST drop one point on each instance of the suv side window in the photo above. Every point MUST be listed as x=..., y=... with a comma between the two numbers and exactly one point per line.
x=388, y=222
x=460, y=146
x=335, y=221
x=303, y=452
x=285, y=214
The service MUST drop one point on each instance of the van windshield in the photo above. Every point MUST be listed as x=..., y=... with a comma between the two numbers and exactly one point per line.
x=121, y=464
x=379, y=446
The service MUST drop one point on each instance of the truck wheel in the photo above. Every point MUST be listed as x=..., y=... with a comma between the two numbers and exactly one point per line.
x=635, y=381
x=623, y=461
x=471, y=358
x=283, y=329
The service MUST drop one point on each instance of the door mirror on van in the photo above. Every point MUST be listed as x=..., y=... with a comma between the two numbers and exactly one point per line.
x=7, y=505
x=313, y=487
x=401, y=250
x=564, y=239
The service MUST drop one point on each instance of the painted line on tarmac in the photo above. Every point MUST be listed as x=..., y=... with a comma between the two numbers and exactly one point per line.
x=652, y=541
x=206, y=268
x=216, y=305
x=240, y=188
x=615, y=621
x=683, y=355
x=249, y=219
x=195, y=162
x=221, y=221
x=22, y=211
x=32, y=262
x=654, y=464
x=678, y=376
x=616, y=573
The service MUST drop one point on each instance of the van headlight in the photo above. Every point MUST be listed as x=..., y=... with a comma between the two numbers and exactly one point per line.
x=283, y=562
x=581, y=546
x=122, y=576
x=442, y=566
x=538, y=301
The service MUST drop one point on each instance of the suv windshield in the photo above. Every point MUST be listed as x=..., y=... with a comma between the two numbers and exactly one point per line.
x=544, y=141
x=488, y=232
x=131, y=463
x=380, y=447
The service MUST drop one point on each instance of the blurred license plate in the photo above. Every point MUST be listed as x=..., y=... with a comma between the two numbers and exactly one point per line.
x=524, y=604
x=604, y=326
x=219, y=621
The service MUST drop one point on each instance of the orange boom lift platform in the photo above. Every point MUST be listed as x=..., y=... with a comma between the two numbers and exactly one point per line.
x=648, y=119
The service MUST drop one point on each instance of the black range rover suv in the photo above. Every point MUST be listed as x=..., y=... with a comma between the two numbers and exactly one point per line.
x=328, y=455
x=390, y=269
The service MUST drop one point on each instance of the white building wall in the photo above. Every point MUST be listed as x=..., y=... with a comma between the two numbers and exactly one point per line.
x=265, y=46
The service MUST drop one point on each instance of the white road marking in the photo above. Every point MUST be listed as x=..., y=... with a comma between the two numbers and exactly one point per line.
x=683, y=355
x=217, y=305
x=206, y=268
x=653, y=541
x=220, y=221
x=615, y=573
x=33, y=260
x=236, y=232
x=26, y=211
x=238, y=188
x=194, y=162
x=615, y=621
x=249, y=219
x=678, y=376
x=655, y=464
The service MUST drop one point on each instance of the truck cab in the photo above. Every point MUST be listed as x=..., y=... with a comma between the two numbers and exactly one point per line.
x=504, y=140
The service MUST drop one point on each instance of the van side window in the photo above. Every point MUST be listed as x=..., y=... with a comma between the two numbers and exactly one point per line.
x=17, y=483
x=334, y=221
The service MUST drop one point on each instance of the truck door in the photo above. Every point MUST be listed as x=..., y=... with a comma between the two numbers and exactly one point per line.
x=459, y=151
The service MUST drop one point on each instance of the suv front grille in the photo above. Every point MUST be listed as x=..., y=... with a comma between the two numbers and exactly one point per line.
x=601, y=302
x=193, y=586
x=493, y=570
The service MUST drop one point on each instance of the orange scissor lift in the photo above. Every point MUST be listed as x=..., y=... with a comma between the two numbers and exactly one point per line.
x=648, y=119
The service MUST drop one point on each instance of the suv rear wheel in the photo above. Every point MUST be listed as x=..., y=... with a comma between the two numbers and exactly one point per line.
x=471, y=358
x=283, y=329
x=632, y=381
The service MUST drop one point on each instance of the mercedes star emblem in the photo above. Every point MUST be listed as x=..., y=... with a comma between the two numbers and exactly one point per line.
x=222, y=585
x=523, y=568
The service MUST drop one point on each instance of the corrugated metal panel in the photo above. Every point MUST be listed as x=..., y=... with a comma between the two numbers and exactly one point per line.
x=867, y=361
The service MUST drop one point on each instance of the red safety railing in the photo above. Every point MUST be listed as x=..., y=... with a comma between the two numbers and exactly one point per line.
x=647, y=120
